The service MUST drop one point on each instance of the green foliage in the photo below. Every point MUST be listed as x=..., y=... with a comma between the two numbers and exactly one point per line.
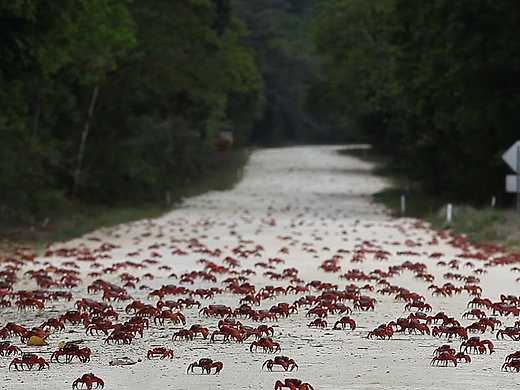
x=431, y=83
x=280, y=33
x=170, y=76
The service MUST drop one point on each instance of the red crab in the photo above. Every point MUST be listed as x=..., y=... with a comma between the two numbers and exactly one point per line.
x=513, y=356
x=365, y=303
x=292, y=384
x=286, y=363
x=185, y=334
x=206, y=365
x=474, y=313
x=476, y=345
x=216, y=311
x=199, y=329
x=228, y=332
x=6, y=349
x=318, y=323
x=267, y=344
x=511, y=365
x=419, y=305
x=444, y=358
x=381, y=332
x=162, y=352
x=512, y=332
x=70, y=351
x=55, y=323
x=444, y=348
x=100, y=325
x=29, y=360
x=12, y=329
x=175, y=317
x=462, y=357
x=88, y=380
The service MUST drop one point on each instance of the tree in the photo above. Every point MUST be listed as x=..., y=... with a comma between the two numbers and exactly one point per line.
x=426, y=83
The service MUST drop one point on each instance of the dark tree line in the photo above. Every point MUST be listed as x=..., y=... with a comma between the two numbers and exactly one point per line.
x=111, y=101
x=434, y=84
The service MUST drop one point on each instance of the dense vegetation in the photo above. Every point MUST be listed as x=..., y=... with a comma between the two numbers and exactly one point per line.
x=111, y=102
x=434, y=84
x=118, y=101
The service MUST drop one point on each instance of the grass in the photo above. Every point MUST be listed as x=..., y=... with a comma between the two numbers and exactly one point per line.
x=76, y=219
x=492, y=225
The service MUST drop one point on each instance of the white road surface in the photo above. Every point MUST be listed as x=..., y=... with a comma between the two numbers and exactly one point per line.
x=316, y=204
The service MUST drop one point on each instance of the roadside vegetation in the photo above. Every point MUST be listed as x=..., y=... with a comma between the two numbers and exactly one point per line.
x=112, y=109
x=499, y=225
x=75, y=218
x=432, y=85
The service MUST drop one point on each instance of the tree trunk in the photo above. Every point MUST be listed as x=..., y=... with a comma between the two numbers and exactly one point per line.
x=37, y=109
x=83, y=141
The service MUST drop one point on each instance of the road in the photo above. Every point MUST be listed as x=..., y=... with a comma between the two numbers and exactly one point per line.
x=302, y=205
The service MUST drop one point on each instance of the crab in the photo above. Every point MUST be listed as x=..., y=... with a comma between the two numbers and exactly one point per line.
x=12, y=329
x=419, y=305
x=476, y=345
x=216, y=311
x=4, y=303
x=120, y=337
x=206, y=365
x=29, y=360
x=100, y=325
x=55, y=323
x=344, y=322
x=88, y=380
x=318, y=323
x=199, y=329
x=38, y=332
x=462, y=357
x=444, y=358
x=292, y=384
x=286, y=363
x=474, y=313
x=444, y=348
x=29, y=304
x=381, y=332
x=513, y=364
x=134, y=307
x=185, y=334
x=162, y=352
x=267, y=344
x=6, y=349
x=364, y=304
x=175, y=317
x=188, y=302
x=450, y=332
x=70, y=351
x=74, y=317
x=512, y=332
x=513, y=356
x=229, y=333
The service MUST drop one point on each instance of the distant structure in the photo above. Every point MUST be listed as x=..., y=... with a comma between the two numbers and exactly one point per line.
x=224, y=141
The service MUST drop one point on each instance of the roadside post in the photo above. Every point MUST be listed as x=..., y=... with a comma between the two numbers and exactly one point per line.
x=403, y=204
x=449, y=213
x=512, y=158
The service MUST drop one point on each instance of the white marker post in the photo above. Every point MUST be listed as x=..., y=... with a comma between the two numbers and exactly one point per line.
x=493, y=201
x=449, y=213
x=403, y=204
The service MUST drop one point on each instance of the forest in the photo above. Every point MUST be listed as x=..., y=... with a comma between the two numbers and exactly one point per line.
x=434, y=85
x=119, y=102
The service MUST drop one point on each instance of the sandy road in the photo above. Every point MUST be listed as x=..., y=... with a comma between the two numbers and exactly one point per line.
x=315, y=203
